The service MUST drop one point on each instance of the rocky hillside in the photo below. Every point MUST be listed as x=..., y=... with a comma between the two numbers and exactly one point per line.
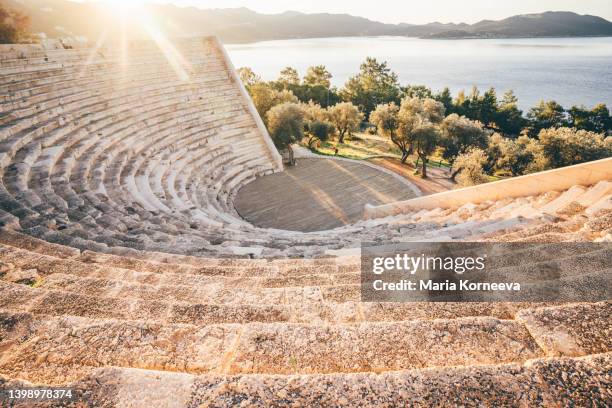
x=548, y=24
x=61, y=18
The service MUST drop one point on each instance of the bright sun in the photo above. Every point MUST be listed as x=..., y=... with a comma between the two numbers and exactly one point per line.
x=123, y=4
x=132, y=14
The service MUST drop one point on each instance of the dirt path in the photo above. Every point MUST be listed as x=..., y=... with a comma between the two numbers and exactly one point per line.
x=436, y=182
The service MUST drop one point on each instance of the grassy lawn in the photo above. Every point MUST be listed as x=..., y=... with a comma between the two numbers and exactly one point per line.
x=380, y=150
x=363, y=146
x=360, y=146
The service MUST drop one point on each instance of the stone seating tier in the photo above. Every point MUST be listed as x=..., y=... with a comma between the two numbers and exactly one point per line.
x=124, y=265
x=266, y=324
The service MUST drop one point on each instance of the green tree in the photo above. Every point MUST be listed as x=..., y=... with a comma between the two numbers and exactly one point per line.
x=314, y=112
x=346, y=117
x=594, y=120
x=316, y=93
x=319, y=130
x=265, y=97
x=248, y=77
x=318, y=75
x=386, y=119
x=469, y=167
x=495, y=148
x=286, y=125
x=545, y=115
x=418, y=127
x=375, y=84
x=601, y=121
x=580, y=117
x=521, y=156
x=458, y=135
x=487, y=107
x=482, y=108
x=317, y=122
x=509, y=118
x=424, y=139
x=471, y=104
x=416, y=91
x=14, y=26
x=289, y=76
x=462, y=104
x=446, y=99
x=567, y=146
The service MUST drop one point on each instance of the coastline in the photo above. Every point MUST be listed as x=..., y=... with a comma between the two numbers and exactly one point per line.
x=526, y=37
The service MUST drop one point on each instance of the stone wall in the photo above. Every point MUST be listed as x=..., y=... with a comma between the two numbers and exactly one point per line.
x=585, y=174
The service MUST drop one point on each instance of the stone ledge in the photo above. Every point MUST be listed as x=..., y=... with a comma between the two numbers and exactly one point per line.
x=585, y=174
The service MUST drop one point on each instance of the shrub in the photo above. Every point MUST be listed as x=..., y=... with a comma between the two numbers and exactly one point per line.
x=314, y=112
x=319, y=131
x=469, y=166
x=265, y=98
x=521, y=156
x=567, y=146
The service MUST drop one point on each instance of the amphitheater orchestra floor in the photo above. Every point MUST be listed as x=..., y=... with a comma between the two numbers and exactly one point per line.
x=317, y=194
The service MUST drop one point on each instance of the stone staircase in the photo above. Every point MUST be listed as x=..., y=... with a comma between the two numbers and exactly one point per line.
x=126, y=272
x=279, y=332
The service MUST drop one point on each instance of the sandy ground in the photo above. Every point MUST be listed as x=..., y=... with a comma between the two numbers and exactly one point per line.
x=436, y=182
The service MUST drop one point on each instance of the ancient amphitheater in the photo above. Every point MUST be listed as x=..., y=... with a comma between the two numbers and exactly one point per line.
x=127, y=273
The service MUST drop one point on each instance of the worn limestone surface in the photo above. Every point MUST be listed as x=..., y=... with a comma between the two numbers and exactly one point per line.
x=127, y=272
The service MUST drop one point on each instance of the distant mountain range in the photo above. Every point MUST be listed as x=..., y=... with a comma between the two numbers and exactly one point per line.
x=61, y=18
x=548, y=24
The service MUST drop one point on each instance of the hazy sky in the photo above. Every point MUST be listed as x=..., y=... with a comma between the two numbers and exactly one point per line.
x=411, y=11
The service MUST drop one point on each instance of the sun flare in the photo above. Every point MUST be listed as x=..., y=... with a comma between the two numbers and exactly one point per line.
x=133, y=20
x=123, y=4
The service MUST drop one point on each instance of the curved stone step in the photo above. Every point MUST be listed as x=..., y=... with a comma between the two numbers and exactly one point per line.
x=572, y=330
x=21, y=298
x=539, y=382
x=36, y=347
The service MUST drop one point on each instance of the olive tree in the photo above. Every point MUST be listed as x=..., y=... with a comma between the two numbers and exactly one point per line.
x=314, y=112
x=521, y=156
x=346, y=118
x=286, y=125
x=265, y=97
x=386, y=119
x=425, y=139
x=418, y=127
x=566, y=146
x=469, y=167
x=316, y=122
x=495, y=146
x=318, y=130
x=458, y=135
